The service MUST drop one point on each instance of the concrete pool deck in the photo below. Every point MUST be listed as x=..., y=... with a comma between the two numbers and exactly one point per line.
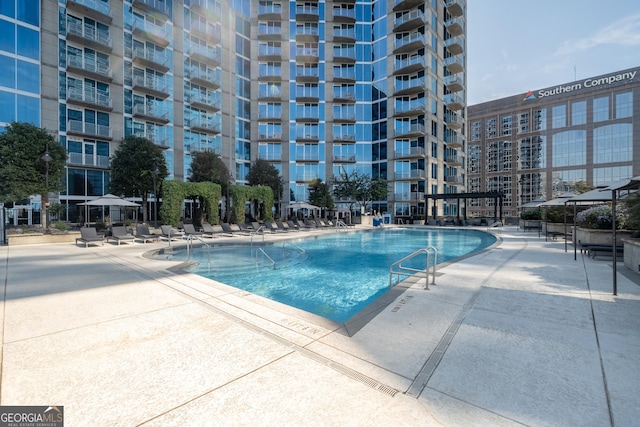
x=520, y=334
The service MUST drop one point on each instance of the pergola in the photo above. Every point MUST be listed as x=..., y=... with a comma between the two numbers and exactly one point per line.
x=497, y=205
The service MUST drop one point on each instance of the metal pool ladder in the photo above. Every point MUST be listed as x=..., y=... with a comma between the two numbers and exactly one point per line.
x=398, y=269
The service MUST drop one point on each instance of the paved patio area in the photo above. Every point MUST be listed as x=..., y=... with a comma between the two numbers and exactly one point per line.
x=518, y=335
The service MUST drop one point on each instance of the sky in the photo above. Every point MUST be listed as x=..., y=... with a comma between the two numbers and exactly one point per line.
x=518, y=45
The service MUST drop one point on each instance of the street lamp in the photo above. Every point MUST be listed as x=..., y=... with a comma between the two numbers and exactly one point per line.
x=156, y=171
x=46, y=157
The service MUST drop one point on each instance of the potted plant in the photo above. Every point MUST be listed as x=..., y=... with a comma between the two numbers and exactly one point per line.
x=595, y=225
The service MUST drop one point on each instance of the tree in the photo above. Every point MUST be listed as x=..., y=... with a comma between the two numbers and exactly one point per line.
x=359, y=188
x=23, y=171
x=320, y=194
x=134, y=166
x=207, y=166
x=264, y=173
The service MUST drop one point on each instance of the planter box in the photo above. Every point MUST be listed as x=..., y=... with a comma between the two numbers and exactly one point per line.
x=601, y=237
x=39, y=238
x=558, y=227
x=632, y=255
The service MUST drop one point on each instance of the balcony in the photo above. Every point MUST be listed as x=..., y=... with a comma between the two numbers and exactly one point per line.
x=212, y=33
x=344, y=117
x=270, y=116
x=406, y=109
x=307, y=35
x=410, y=21
x=151, y=113
x=307, y=94
x=344, y=35
x=210, y=78
x=269, y=53
x=454, y=180
x=409, y=65
x=90, y=99
x=306, y=177
x=307, y=117
x=307, y=157
x=344, y=14
x=270, y=93
x=410, y=43
x=344, y=137
x=453, y=141
x=271, y=12
x=80, y=159
x=307, y=74
x=158, y=8
x=344, y=158
x=307, y=13
x=145, y=30
x=96, y=9
x=409, y=87
x=344, y=55
x=270, y=137
x=344, y=75
x=454, y=82
x=453, y=101
x=407, y=197
x=269, y=33
x=344, y=96
x=80, y=128
x=204, y=125
x=206, y=102
x=454, y=7
x=412, y=175
x=455, y=45
x=452, y=120
x=414, y=130
x=411, y=153
x=89, y=68
x=151, y=58
x=209, y=55
x=161, y=141
x=88, y=36
x=307, y=55
x=151, y=85
x=406, y=4
x=307, y=137
x=453, y=160
x=455, y=26
x=454, y=64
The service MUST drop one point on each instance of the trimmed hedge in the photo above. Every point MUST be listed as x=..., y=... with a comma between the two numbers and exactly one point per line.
x=174, y=193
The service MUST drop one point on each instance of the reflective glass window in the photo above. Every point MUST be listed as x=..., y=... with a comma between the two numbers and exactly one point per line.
x=7, y=107
x=7, y=8
x=29, y=109
x=8, y=39
x=28, y=76
x=569, y=148
x=613, y=143
x=601, y=109
x=603, y=176
x=558, y=116
x=624, y=105
x=28, y=42
x=8, y=74
x=578, y=113
x=28, y=11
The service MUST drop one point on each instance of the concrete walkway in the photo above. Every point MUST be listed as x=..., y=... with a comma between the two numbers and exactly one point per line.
x=518, y=335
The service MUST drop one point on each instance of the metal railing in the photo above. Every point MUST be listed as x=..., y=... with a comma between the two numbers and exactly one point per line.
x=399, y=270
x=190, y=238
x=259, y=250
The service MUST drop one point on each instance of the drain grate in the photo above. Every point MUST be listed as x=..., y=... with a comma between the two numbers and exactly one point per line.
x=354, y=375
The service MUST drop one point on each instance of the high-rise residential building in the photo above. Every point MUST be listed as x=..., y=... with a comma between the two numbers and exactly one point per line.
x=317, y=88
x=539, y=144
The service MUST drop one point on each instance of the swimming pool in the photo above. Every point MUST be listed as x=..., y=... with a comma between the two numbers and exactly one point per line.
x=334, y=276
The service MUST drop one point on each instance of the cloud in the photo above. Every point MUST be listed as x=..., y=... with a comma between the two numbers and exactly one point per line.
x=624, y=32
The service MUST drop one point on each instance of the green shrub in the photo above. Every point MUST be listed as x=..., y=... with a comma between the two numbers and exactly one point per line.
x=531, y=214
x=60, y=226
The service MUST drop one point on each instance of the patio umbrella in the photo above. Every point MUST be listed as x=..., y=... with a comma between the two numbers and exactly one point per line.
x=106, y=200
x=301, y=205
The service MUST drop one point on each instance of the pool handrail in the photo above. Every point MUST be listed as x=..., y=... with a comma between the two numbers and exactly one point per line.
x=190, y=238
x=273, y=263
x=409, y=271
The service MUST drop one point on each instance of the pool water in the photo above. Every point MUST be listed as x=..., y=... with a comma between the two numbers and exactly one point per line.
x=334, y=276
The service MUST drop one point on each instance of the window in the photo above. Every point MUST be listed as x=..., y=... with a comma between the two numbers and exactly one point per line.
x=559, y=116
x=505, y=129
x=578, y=113
x=569, y=148
x=476, y=131
x=601, y=109
x=532, y=153
x=523, y=122
x=491, y=131
x=624, y=105
x=540, y=119
x=613, y=143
